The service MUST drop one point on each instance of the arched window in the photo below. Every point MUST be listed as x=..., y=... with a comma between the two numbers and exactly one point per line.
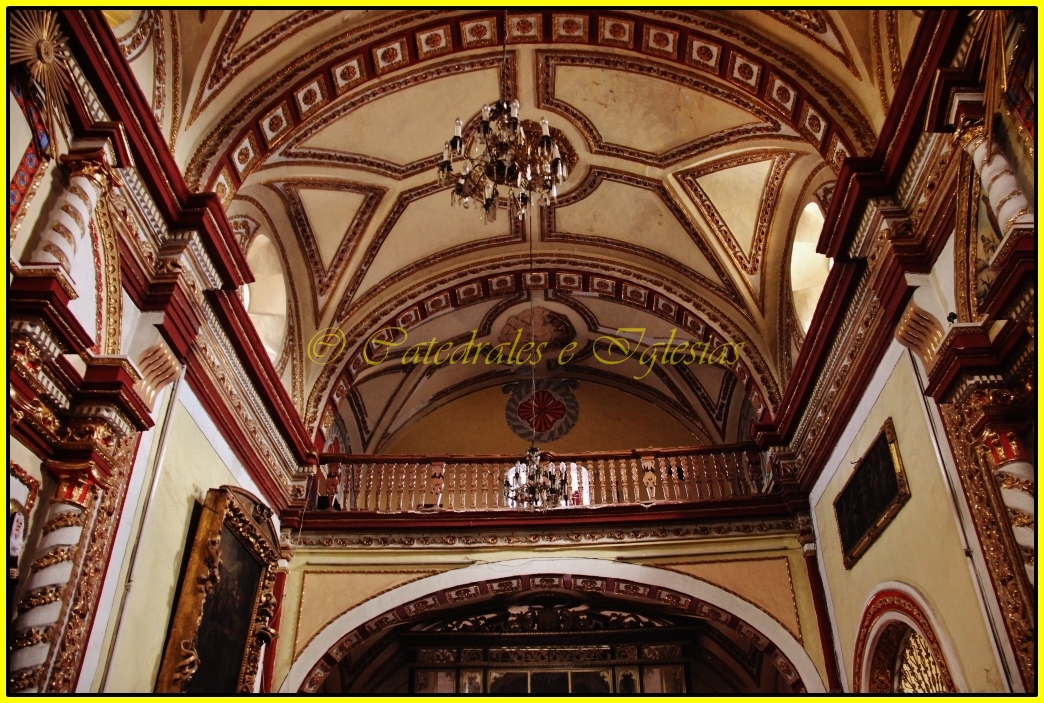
x=265, y=298
x=897, y=650
x=808, y=269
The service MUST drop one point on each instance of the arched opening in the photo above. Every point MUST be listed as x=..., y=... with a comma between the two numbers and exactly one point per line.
x=265, y=298
x=554, y=625
x=551, y=640
x=808, y=269
x=898, y=650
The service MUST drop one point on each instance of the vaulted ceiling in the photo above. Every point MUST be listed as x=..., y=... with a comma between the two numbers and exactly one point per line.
x=700, y=139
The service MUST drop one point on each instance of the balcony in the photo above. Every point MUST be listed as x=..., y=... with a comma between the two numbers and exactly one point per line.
x=360, y=491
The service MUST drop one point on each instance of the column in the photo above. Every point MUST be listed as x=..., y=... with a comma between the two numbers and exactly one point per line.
x=69, y=223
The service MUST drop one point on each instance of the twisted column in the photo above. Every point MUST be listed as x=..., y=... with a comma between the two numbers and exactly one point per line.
x=1007, y=202
x=1016, y=478
x=71, y=215
x=43, y=604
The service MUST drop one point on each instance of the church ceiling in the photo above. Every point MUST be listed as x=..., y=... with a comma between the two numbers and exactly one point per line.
x=699, y=137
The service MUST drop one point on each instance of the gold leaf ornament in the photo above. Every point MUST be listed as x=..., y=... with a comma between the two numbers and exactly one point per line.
x=37, y=42
x=989, y=28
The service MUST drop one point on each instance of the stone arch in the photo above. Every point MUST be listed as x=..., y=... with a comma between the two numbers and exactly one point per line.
x=671, y=589
x=893, y=614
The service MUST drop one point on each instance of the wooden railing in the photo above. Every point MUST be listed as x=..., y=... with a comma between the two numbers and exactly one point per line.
x=397, y=484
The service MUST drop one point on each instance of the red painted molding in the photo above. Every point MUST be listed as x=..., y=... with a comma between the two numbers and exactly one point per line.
x=228, y=424
x=180, y=324
x=859, y=180
x=826, y=633
x=937, y=38
x=1019, y=264
x=482, y=521
x=99, y=56
x=251, y=351
x=974, y=350
x=44, y=297
x=103, y=63
x=113, y=383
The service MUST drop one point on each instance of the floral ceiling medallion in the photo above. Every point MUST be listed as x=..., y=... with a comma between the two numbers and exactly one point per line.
x=545, y=412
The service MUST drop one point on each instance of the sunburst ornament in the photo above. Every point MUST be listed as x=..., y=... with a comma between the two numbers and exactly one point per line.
x=37, y=42
x=990, y=26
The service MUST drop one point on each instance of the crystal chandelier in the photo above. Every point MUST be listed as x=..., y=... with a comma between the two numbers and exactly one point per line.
x=503, y=152
x=530, y=485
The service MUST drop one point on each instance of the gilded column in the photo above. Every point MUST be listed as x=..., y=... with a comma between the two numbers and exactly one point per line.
x=983, y=427
x=1005, y=454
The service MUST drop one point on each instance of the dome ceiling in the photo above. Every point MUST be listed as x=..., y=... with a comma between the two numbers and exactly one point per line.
x=701, y=137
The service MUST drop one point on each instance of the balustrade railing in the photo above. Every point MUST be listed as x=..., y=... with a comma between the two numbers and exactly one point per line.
x=401, y=484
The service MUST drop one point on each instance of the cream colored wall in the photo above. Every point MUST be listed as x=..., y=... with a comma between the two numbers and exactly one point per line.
x=609, y=420
x=767, y=570
x=191, y=466
x=921, y=548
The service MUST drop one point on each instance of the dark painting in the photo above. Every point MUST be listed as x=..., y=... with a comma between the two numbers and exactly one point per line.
x=225, y=626
x=872, y=496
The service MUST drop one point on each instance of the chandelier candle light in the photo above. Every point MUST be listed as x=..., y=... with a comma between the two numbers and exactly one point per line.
x=531, y=485
x=500, y=153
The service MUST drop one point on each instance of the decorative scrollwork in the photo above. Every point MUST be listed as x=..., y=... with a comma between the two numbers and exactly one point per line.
x=188, y=664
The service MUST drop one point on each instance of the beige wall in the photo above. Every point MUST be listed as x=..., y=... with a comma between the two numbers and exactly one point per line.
x=920, y=548
x=766, y=570
x=191, y=466
x=609, y=420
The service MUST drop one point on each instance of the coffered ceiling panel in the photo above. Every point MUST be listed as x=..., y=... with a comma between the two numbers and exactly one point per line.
x=329, y=214
x=260, y=22
x=637, y=219
x=730, y=190
x=388, y=128
x=653, y=115
x=430, y=227
x=699, y=138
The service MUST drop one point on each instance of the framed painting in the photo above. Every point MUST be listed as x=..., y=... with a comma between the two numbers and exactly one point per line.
x=872, y=496
x=224, y=601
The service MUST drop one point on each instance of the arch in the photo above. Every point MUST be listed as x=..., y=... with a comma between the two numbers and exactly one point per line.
x=893, y=611
x=669, y=588
x=266, y=297
x=683, y=305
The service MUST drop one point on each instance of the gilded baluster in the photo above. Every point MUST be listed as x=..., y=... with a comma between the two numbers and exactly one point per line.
x=402, y=487
x=475, y=486
x=612, y=479
x=664, y=486
x=382, y=485
x=368, y=486
x=388, y=485
x=601, y=479
x=673, y=472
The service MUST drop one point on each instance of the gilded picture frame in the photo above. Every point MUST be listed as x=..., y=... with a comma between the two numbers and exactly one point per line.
x=872, y=496
x=225, y=600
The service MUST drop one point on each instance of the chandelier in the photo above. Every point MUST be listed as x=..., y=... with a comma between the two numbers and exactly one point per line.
x=530, y=485
x=503, y=152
